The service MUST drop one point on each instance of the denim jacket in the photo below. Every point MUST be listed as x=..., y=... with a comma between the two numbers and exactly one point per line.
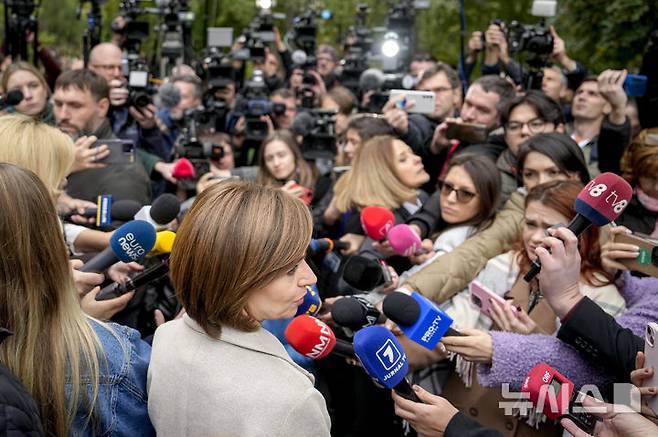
x=122, y=400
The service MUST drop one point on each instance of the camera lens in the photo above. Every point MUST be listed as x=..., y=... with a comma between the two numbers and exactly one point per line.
x=476, y=300
x=650, y=339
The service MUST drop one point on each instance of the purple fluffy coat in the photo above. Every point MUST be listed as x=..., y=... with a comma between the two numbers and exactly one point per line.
x=515, y=354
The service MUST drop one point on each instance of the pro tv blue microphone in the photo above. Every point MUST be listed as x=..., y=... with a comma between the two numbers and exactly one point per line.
x=418, y=317
x=131, y=242
x=383, y=359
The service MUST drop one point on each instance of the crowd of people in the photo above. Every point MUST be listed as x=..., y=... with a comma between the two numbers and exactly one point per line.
x=201, y=350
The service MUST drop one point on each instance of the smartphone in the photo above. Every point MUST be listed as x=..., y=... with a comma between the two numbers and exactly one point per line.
x=468, y=132
x=635, y=85
x=647, y=260
x=424, y=101
x=121, y=151
x=481, y=297
x=651, y=354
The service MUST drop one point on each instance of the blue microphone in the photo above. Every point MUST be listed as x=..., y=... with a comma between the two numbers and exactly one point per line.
x=131, y=242
x=418, y=317
x=311, y=304
x=383, y=359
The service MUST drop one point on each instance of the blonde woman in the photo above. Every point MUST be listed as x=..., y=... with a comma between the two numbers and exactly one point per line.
x=238, y=260
x=26, y=78
x=86, y=377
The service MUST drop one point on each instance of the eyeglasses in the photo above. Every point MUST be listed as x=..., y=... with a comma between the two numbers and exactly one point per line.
x=535, y=126
x=463, y=196
x=108, y=67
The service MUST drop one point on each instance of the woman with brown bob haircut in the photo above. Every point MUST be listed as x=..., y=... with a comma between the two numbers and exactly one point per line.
x=238, y=260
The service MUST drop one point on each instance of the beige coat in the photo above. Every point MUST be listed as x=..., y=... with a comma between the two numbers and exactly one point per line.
x=243, y=384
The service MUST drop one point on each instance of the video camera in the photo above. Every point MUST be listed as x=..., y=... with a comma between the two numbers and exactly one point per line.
x=357, y=45
x=318, y=129
x=21, y=19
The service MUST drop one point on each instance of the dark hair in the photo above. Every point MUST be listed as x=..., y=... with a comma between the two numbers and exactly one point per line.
x=546, y=108
x=495, y=84
x=446, y=69
x=562, y=150
x=344, y=99
x=84, y=80
x=486, y=179
x=369, y=126
x=560, y=196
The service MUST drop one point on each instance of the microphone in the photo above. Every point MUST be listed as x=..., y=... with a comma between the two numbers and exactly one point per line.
x=299, y=57
x=129, y=243
x=122, y=210
x=314, y=339
x=419, y=318
x=163, y=210
x=383, y=359
x=376, y=222
x=116, y=289
x=183, y=169
x=554, y=392
x=311, y=304
x=324, y=245
x=371, y=79
x=164, y=242
x=12, y=98
x=355, y=313
x=404, y=240
x=303, y=124
x=602, y=200
x=169, y=95
x=366, y=274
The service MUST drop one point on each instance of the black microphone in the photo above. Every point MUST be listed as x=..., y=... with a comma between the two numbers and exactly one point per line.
x=116, y=289
x=303, y=124
x=12, y=98
x=366, y=274
x=355, y=312
x=162, y=211
x=324, y=245
x=121, y=210
x=169, y=95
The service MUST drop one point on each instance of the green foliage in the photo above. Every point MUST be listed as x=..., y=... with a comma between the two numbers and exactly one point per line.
x=600, y=33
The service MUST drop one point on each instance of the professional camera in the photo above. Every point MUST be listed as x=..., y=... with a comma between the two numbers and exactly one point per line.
x=140, y=90
x=256, y=104
x=357, y=45
x=318, y=129
x=20, y=19
x=536, y=38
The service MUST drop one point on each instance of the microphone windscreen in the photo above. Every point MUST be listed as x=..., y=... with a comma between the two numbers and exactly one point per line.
x=312, y=302
x=165, y=208
x=164, y=242
x=381, y=355
x=299, y=57
x=604, y=198
x=376, y=221
x=371, y=79
x=310, y=337
x=401, y=308
x=349, y=312
x=124, y=210
x=404, y=240
x=363, y=273
x=303, y=123
x=169, y=95
x=133, y=240
x=14, y=97
x=183, y=169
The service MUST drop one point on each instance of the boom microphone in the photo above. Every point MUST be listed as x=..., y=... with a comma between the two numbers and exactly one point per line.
x=602, y=200
x=404, y=241
x=169, y=95
x=130, y=242
x=355, y=313
x=383, y=359
x=116, y=289
x=366, y=274
x=419, y=318
x=163, y=210
x=314, y=339
x=371, y=79
x=377, y=221
x=554, y=392
x=303, y=124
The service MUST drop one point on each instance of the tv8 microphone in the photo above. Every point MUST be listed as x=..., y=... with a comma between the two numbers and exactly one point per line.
x=384, y=359
x=554, y=395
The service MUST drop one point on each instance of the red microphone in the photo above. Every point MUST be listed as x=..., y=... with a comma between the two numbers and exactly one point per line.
x=554, y=395
x=602, y=200
x=376, y=222
x=314, y=339
x=183, y=169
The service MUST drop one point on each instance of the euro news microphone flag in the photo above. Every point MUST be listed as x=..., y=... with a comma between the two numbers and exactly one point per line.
x=376, y=222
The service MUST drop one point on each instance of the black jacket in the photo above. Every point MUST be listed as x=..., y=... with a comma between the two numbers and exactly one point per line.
x=598, y=337
x=18, y=411
x=637, y=218
x=463, y=426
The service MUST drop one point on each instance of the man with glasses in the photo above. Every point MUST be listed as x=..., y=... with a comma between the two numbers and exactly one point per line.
x=526, y=116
